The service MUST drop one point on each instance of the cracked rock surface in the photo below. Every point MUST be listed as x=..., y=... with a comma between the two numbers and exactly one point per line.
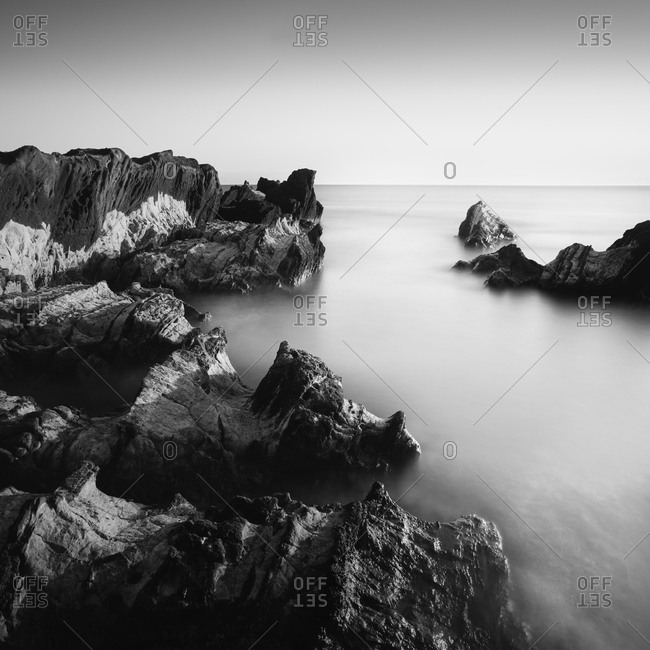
x=271, y=571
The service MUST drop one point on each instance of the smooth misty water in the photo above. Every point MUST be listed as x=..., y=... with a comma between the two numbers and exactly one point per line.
x=565, y=451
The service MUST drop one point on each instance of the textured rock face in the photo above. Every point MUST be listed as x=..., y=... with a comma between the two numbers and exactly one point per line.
x=483, y=228
x=56, y=211
x=193, y=415
x=96, y=214
x=55, y=328
x=229, y=256
x=366, y=574
x=622, y=271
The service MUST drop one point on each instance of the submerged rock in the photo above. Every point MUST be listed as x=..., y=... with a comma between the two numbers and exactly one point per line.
x=483, y=228
x=192, y=415
x=270, y=572
x=621, y=271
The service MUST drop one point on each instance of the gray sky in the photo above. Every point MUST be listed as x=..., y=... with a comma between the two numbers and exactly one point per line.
x=448, y=70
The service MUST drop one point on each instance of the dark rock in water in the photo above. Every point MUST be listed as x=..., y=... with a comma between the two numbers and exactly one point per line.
x=242, y=203
x=96, y=214
x=270, y=572
x=192, y=415
x=506, y=267
x=621, y=271
x=318, y=422
x=295, y=196
x=483, y=228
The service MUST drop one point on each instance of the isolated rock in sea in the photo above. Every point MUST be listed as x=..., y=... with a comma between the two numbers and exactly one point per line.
x=483, y=228
x=621, y=271
x=270, y=572
x=193, y=415
x=96, y=214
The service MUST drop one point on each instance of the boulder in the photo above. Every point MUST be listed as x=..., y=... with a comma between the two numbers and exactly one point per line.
x=483, y=228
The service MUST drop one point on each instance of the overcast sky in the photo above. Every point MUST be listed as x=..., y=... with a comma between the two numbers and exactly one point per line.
x=419, y=71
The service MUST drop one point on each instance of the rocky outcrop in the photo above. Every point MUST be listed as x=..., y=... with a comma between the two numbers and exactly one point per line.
x=270, y=572
x=59, y=211
x=192, y=414
x=228, y=256
x=621, y=271
x=506, y=267
x=58, y=327
x=483, y=228
x=96, y=214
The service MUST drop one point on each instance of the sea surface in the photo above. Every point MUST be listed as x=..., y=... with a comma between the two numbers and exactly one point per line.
x=526, y=415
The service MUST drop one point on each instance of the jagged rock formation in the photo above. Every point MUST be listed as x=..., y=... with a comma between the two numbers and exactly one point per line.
x=192, y=415
x=54, y=328
x=96, y=214
x=483, y=228
x=621, y=271
x=270, y=572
